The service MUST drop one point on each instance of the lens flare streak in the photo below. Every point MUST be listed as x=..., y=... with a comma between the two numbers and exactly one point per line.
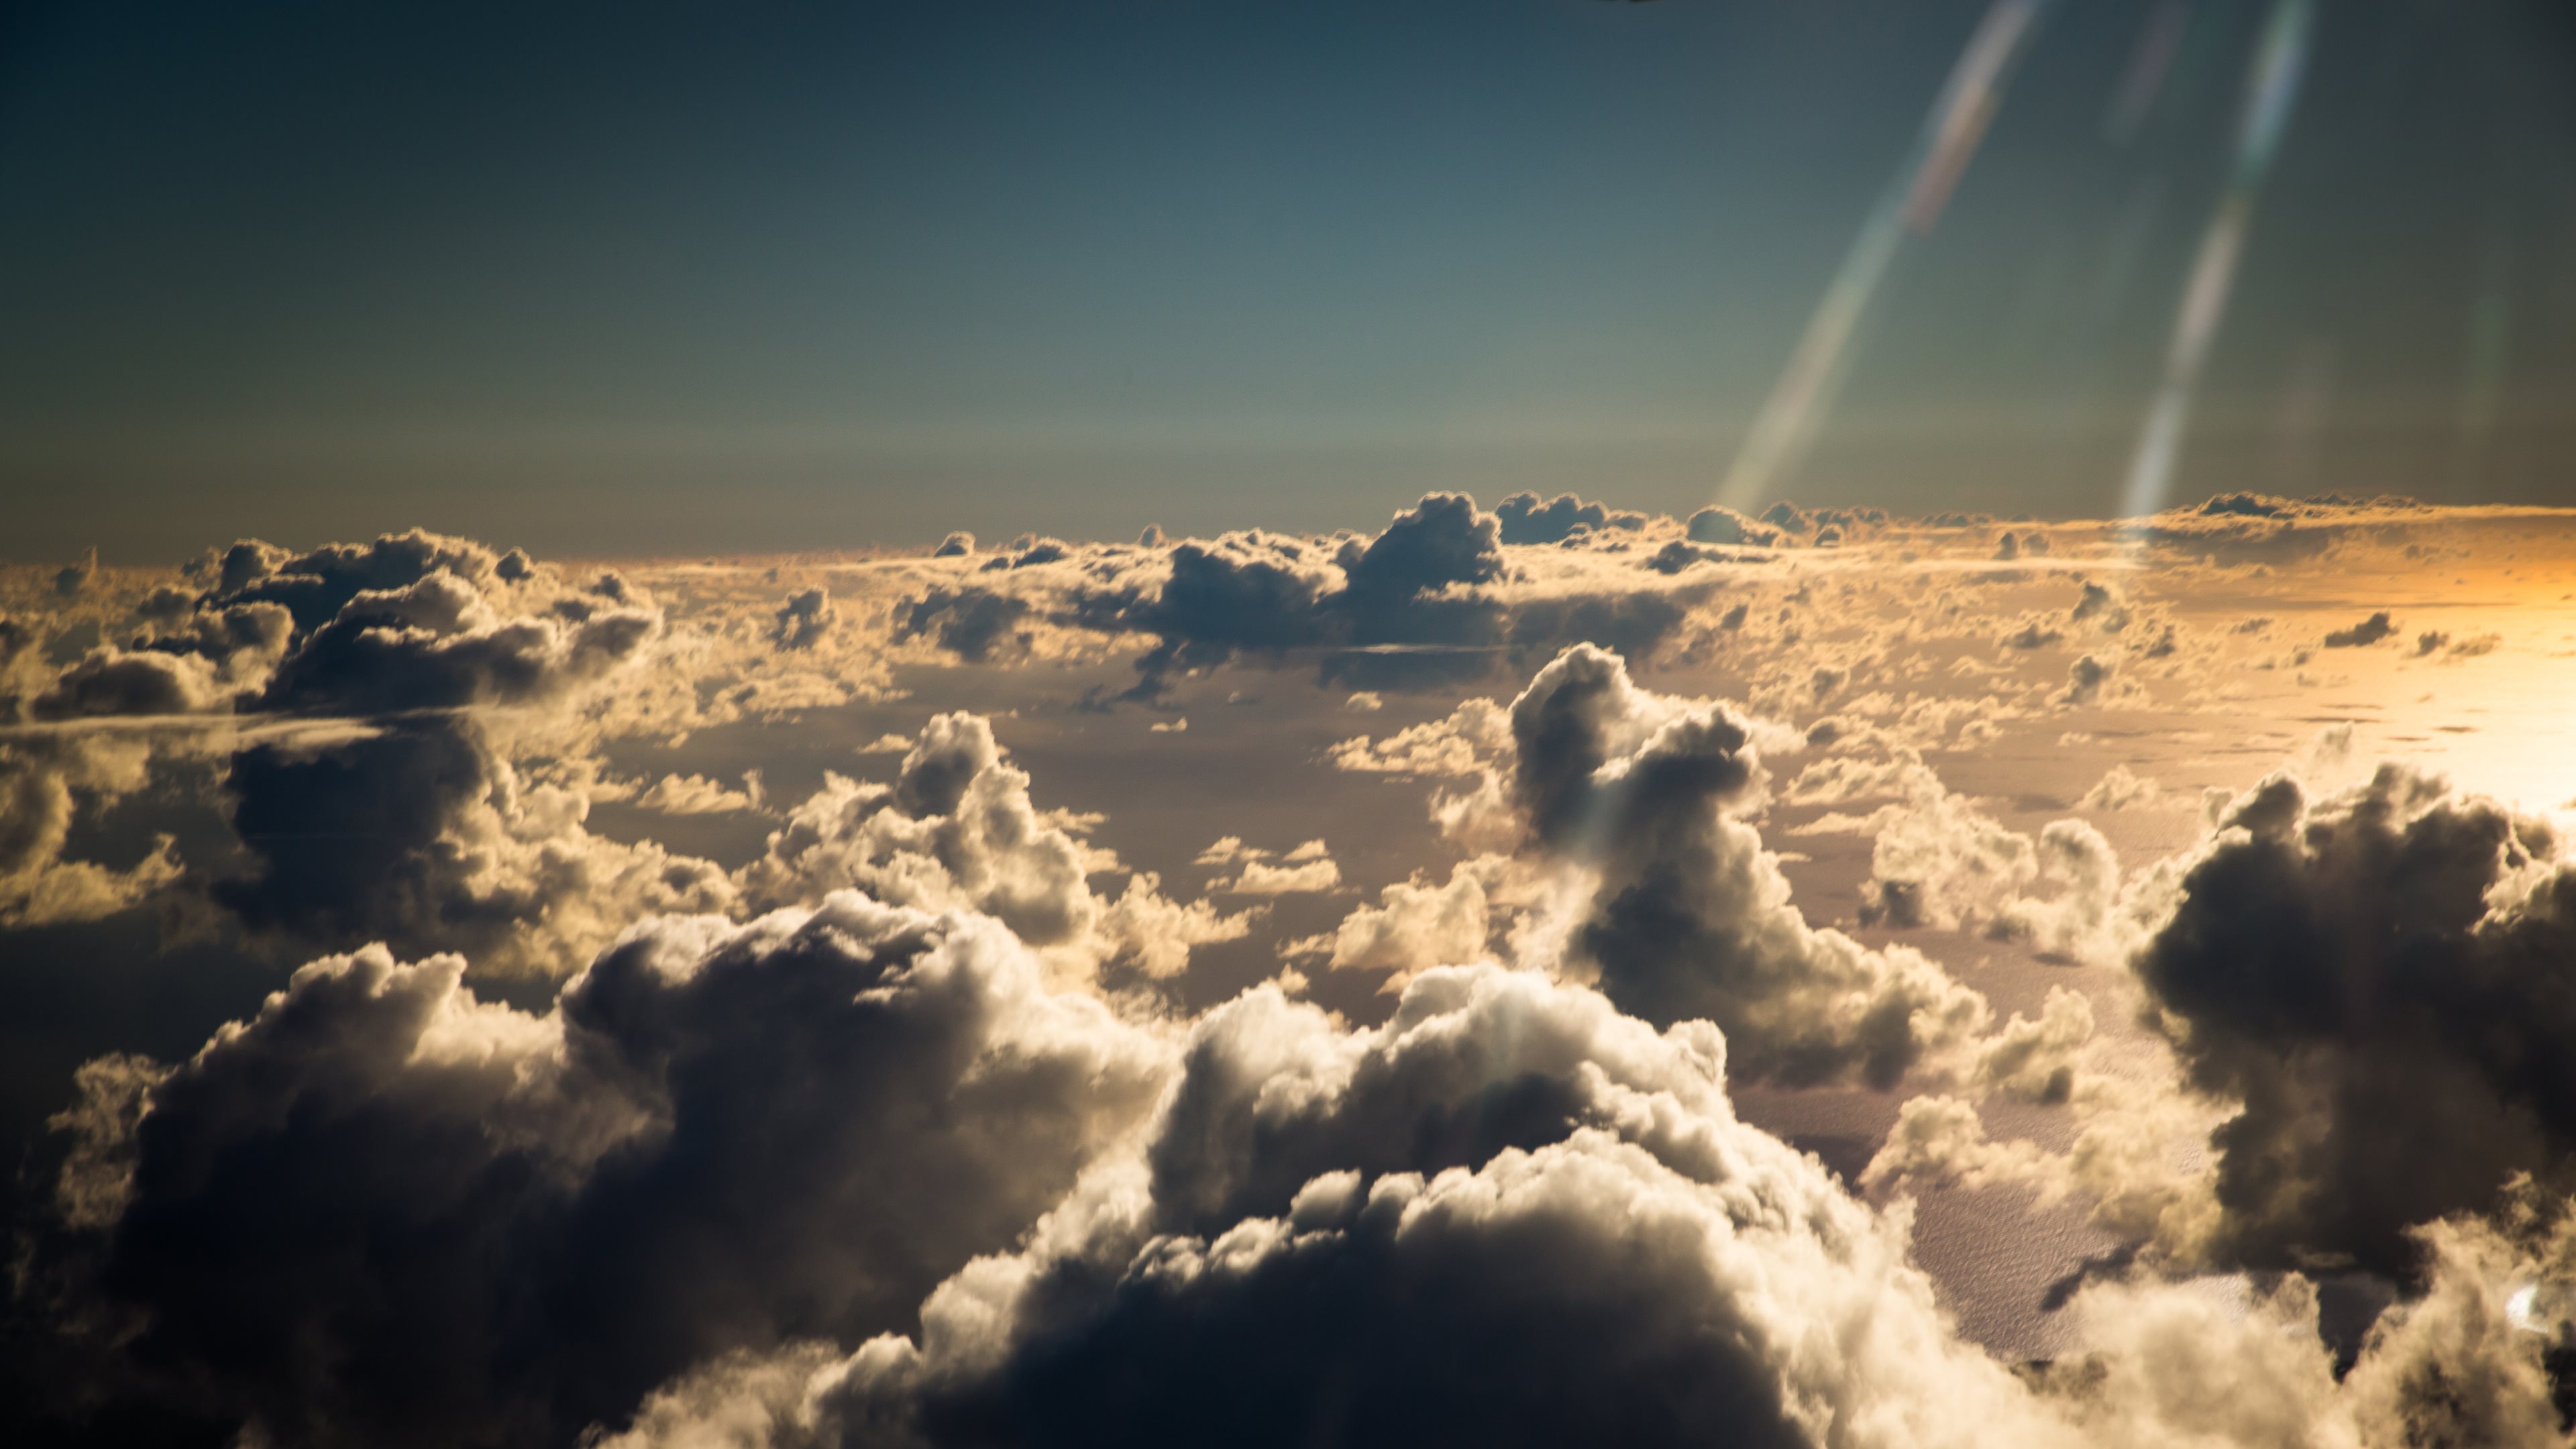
x=2272, y=91
x=1911, y=205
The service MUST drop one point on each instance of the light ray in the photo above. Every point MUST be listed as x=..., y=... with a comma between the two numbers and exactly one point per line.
x=1910, y=206
x=2272, y=90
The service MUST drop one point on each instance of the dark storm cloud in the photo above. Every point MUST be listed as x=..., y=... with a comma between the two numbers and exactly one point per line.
x=2386, y=980
x=497, y=1227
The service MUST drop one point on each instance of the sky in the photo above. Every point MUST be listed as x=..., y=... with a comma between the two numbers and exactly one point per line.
x=1825, y=725
x=656, y=280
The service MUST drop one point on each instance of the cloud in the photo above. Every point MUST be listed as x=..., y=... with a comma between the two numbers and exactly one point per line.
x=1721, y=525
x=1308, y=868
x=41, y=779
x=1514, y=1216
x=436, y=643
x=1413, y=927
x=1510, y=1216
x=315, y=586
x=113, y=681
x=698, y=795
x=2084, y=681
x=505, y=1226
x=2378, y=978
x=1460, y=743
x=1150, y=931
x=1687, y=914
x=2088, y=919
x=422, y=834
x=973, y=624
x=1260, y=878
x=803, y=619
x=2120, y=789
x=1937, y=860
x=1430, y=599
x=957, y=830
x=1525, y=520
x=388, y=1209
x=73, y=579
x=2369, y=631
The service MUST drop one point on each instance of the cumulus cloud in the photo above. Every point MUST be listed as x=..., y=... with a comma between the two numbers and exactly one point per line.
x=1524, y=519
x=1414, y=926
x=1936, y=858
x=2120, y=788
x=2084, y=681
x=803, y=619
x=1310, y=867
x=1518, y=1208
x=1514, y=1216
x=41, y=782
x=1510, y=1215
x=698, y=795
x=1687, y=914
x=957, y=830
x=437, y=643
x=1429, y=599
x=506, y=1226
x=2362, y=998
x=2369, y=631
x=1717, y=524
x=422, y=834
x=2378, y=978
x=113, y=681
x=315, y=586
x=973, y=624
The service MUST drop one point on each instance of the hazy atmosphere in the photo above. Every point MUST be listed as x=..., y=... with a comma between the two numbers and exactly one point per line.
x=1839, y=725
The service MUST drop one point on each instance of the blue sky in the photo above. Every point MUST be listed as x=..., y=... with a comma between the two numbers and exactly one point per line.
x=652, y=279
